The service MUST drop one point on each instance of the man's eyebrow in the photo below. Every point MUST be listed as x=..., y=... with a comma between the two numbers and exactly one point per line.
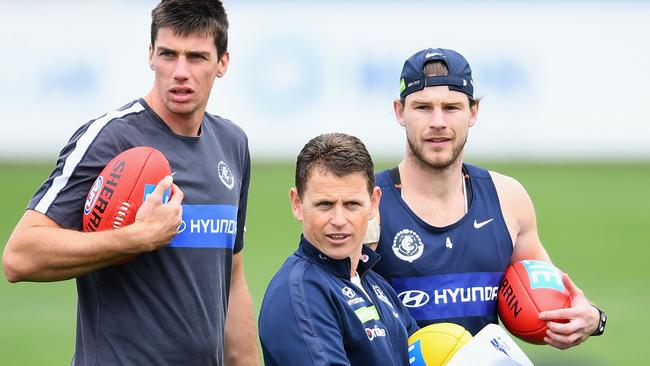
x=189, y=53
x=455, y=102
x=205, y=54
x=162, y=48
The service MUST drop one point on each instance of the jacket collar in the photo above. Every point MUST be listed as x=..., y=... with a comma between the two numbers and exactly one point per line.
x=339, y=267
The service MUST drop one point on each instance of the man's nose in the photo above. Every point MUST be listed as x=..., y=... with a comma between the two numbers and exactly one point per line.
x=181, y=69
x=338, y=217
x=438, y=119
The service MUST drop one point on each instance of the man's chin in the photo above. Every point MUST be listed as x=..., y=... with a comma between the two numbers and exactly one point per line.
x=184, y=109
x=181, y=107
x=434, y=162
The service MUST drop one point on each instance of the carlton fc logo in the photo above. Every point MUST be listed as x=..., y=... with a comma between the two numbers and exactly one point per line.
x=407, y=245
x=381, y=296
x=225, y=174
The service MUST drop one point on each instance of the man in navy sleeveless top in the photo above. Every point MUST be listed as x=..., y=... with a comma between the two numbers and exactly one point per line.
x=447, y=230
x=169, y=305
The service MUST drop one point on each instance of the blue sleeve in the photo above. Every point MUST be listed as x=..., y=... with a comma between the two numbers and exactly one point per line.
x=410, y=323
x=299, y=322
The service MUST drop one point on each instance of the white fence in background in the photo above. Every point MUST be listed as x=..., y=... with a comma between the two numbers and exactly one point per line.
x=561, y=79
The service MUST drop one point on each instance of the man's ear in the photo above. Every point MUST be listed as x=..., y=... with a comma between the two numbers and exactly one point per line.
x=398, y=108
x=473, y=113
x=374, y=201
x=222, y=65
x=296, y=203
x=151, y=57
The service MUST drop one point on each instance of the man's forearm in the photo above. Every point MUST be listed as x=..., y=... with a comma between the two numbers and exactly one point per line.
x=38, y=250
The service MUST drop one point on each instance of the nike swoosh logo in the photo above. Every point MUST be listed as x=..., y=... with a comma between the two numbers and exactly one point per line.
x=478, y=225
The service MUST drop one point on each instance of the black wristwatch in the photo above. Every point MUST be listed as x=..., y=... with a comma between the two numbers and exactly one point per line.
x=601, y=322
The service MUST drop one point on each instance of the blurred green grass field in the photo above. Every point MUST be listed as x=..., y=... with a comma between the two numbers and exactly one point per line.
x=594, y=220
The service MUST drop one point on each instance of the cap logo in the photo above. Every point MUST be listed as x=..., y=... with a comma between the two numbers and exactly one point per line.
x=402, y=85
x=416, y=82
x=432, y=54
x=464, y=82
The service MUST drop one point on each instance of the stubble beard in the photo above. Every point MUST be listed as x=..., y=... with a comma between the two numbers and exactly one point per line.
x=418, y=157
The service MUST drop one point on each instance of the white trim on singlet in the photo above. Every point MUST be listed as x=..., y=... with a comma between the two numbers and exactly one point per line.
x=82, y=145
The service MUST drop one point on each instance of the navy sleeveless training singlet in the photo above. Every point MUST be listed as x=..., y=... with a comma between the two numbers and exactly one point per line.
x=445, y=274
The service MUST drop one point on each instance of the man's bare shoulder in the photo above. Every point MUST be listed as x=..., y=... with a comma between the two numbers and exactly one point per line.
x=507, y=186
x=516, y=204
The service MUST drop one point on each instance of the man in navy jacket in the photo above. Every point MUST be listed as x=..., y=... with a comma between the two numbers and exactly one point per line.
x=325, y=306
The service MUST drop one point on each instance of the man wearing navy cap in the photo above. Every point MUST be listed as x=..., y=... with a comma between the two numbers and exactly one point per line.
x=449, y=229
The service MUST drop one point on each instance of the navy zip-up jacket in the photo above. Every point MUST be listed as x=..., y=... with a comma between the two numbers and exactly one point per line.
x=312, y=314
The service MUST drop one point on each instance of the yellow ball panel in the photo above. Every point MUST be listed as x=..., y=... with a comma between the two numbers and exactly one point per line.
x=439, y=342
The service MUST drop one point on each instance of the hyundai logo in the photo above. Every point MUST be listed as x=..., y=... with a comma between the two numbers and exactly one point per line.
x=348, y=292
x=414, y=298
x=181, y=227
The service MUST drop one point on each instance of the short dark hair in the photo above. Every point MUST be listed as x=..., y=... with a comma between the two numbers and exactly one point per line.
x=337, y=153
x=186, y=17
x=439, y=68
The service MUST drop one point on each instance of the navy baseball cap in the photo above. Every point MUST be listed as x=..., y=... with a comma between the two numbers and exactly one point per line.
x=459, y=78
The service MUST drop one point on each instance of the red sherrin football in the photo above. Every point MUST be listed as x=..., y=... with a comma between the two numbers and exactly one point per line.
x=528, y=288
x=119, y=190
